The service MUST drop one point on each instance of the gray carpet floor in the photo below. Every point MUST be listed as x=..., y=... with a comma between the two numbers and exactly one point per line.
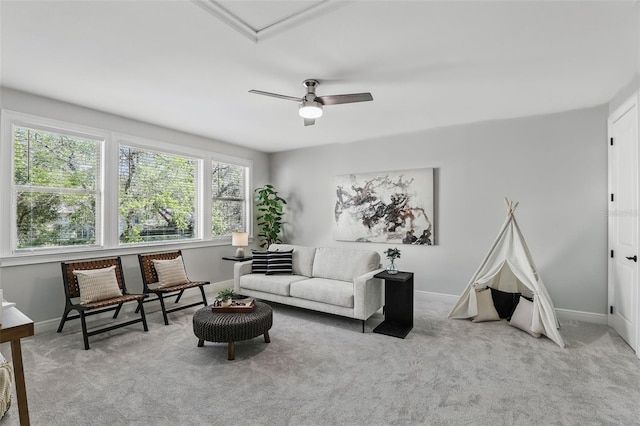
x=321, y=370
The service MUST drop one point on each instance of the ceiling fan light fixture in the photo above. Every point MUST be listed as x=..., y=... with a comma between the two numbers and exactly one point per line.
x=310, y=109
x=310, y=105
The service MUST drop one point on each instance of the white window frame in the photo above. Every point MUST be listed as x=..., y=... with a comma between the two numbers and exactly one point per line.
x=160, y=148
x=8, y=231
x=248, y=165
x=107, y=238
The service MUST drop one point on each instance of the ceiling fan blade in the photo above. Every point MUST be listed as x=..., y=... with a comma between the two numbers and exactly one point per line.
x=345, y=99
x=309, y=121
x=275, y=95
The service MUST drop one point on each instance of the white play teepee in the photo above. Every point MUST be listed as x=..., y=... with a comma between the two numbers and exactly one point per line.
x=509, y=267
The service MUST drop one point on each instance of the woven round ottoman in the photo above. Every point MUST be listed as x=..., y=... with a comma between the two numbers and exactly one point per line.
x=232, y=327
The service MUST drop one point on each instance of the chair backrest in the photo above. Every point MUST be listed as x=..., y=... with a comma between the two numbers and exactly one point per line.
x=70, y=281
x=149, y=274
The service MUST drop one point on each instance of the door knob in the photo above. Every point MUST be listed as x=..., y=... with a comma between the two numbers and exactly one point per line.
x=634, y=258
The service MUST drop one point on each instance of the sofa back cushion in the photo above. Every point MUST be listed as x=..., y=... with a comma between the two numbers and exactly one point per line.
x=302, y=257
x=344, y=264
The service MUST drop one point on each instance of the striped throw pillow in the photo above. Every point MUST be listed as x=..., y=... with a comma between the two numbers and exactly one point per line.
x=170, y=272
x=280, y=262
x=259, y=263
x=97, y=284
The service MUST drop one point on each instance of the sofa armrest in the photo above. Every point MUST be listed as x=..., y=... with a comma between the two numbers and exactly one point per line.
x=240, y=269
x=369, y=275
x=367, y=294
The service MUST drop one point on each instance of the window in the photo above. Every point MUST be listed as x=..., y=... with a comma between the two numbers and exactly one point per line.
x=56, y=180
x=158, y=194
x=72, y=188
x=228, y=199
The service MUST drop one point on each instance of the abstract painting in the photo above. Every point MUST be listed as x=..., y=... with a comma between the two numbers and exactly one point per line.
x=385, y=207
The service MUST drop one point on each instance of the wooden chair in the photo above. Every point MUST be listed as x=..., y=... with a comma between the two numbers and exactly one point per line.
x=72, y=293
x=150, y=283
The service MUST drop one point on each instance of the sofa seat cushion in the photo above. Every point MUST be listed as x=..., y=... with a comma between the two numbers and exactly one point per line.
x=274, y=284
x=344, y=264
x=333, y=292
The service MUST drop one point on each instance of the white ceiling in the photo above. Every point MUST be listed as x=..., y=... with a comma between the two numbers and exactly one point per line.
x=188, y=66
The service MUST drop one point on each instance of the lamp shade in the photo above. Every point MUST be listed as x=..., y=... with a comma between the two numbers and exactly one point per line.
x=240, y=239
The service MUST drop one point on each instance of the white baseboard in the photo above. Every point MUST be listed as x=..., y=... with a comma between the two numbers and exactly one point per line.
x=149, y=308
x=563, y=314
x=47, y=325
x=429, y=296
x=212, y=290
x=569, y=315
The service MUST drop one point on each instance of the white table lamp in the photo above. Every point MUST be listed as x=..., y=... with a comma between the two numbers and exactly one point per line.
x=240, y=239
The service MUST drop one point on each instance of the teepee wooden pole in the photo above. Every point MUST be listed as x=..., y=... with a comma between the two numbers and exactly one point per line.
x=511, y=207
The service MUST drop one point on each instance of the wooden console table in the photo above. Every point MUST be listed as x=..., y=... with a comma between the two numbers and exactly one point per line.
x=15, y=326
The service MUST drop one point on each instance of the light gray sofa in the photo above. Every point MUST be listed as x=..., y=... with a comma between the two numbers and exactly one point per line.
x=333, y=280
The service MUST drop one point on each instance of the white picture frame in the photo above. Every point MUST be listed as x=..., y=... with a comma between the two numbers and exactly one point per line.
x=385, y=207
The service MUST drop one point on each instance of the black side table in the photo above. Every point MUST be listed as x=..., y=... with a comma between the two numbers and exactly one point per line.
x=398, y=304
x=237, y=259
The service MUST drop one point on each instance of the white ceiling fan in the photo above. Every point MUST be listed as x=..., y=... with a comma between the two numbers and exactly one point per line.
x=311, y=105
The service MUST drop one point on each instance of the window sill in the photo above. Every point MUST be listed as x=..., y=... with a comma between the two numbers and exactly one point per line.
x=88, y=253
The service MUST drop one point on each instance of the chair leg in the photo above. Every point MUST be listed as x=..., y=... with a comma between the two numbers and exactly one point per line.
x=115, y=315
x=142, y=315
x=63, y=319
x=164, y=310
x=179, y=296
x=363, y=325
x=85, y=337
x=204, y=297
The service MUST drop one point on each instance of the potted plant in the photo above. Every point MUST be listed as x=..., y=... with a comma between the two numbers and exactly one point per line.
x=225, y=295
x=270, y=208
x=392, y=254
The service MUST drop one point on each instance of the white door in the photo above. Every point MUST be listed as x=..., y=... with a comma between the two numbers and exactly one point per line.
x=623, y=222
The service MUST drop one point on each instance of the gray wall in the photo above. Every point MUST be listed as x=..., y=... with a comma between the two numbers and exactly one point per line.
x=625, y=93
x=37, y=287
x=554, y=165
